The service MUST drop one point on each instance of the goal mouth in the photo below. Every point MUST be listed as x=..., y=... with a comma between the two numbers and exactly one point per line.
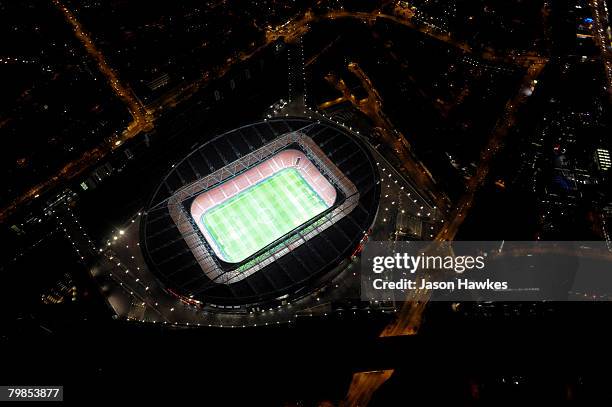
x=254, y=209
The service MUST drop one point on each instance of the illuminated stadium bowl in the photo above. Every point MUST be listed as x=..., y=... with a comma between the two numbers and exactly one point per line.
x=266, y=211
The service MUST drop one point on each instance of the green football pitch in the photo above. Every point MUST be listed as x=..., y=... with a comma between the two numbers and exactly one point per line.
x=262, y=213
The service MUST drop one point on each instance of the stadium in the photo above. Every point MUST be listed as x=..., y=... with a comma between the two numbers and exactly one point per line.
x=266, y=212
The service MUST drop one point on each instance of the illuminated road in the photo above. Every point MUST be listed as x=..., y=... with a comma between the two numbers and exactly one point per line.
x=295, y=28
x=142, y=121
x=410, y=315
x=496, y=140
x=363, y=386
x=372, y=106
x=603, y=37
